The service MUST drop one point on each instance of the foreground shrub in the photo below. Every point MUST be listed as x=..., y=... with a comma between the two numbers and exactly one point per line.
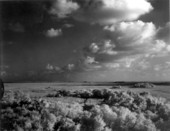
x=119, y=111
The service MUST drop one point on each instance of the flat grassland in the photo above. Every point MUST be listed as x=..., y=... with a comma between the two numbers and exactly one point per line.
x=42, y=89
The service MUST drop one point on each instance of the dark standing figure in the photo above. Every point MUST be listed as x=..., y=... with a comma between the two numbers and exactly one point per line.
x=1, y=89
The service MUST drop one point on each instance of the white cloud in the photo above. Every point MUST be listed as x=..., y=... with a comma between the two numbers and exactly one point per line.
x=128, y=46
x=56, y=68
x=87, y=63
x=49, y=67
x=133, y=33
x=90, y=60
x=53, y=32
x=63, y=8
x=159, y=46
x=105, y=47
x=168, y=48
x=101, y=11
x=111, y=11
x=53, y=68
x=70, y=67
x=94, y=48
x=138, y=37
x=112, y=65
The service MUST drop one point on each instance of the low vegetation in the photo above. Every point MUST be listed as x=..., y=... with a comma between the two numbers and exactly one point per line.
x=117, y=111
x=143, y=85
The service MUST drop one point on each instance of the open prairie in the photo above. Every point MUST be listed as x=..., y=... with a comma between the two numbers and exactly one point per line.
x=42, y=89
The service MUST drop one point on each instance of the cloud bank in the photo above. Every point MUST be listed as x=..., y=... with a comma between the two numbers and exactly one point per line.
x=111, y=11
x=127, y=44
x=129, y=41
x=101, y=11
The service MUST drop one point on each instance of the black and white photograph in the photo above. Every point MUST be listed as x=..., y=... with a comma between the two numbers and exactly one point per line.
x=84, y=65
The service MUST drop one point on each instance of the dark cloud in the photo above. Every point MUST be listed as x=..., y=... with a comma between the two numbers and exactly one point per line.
x=164, y=33
x=159, y=15
x=16, y=27
x=22, y=12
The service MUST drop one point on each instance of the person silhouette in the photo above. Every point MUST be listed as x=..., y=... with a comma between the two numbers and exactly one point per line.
x=1, y=89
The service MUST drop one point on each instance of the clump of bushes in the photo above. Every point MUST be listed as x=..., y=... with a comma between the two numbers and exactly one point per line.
x=116, y=87
x=143, y=85
x=91, y=93
x=119, y=111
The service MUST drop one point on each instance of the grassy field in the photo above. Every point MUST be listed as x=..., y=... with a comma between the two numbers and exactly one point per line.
x=42, y=89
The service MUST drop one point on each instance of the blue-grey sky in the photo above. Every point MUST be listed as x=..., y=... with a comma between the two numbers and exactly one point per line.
x=85, y=40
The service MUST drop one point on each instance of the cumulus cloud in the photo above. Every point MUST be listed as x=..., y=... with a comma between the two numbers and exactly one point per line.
x=94, y=48
x=53, y=32
x=132, y=33
x=53, y=68
x=126, y=39
x=111, y=11
x=159, y=46
x=89, y=60
x=137, y=37
x=105, y=47
x=69, y=67
x=56, y=69
x=87, y=63
x=49, y=67
x=128, y=44
x=108, y=48
x=101, y=11
x=63, y=8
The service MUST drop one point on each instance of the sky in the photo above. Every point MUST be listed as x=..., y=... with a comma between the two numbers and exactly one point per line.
x=85, y=40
